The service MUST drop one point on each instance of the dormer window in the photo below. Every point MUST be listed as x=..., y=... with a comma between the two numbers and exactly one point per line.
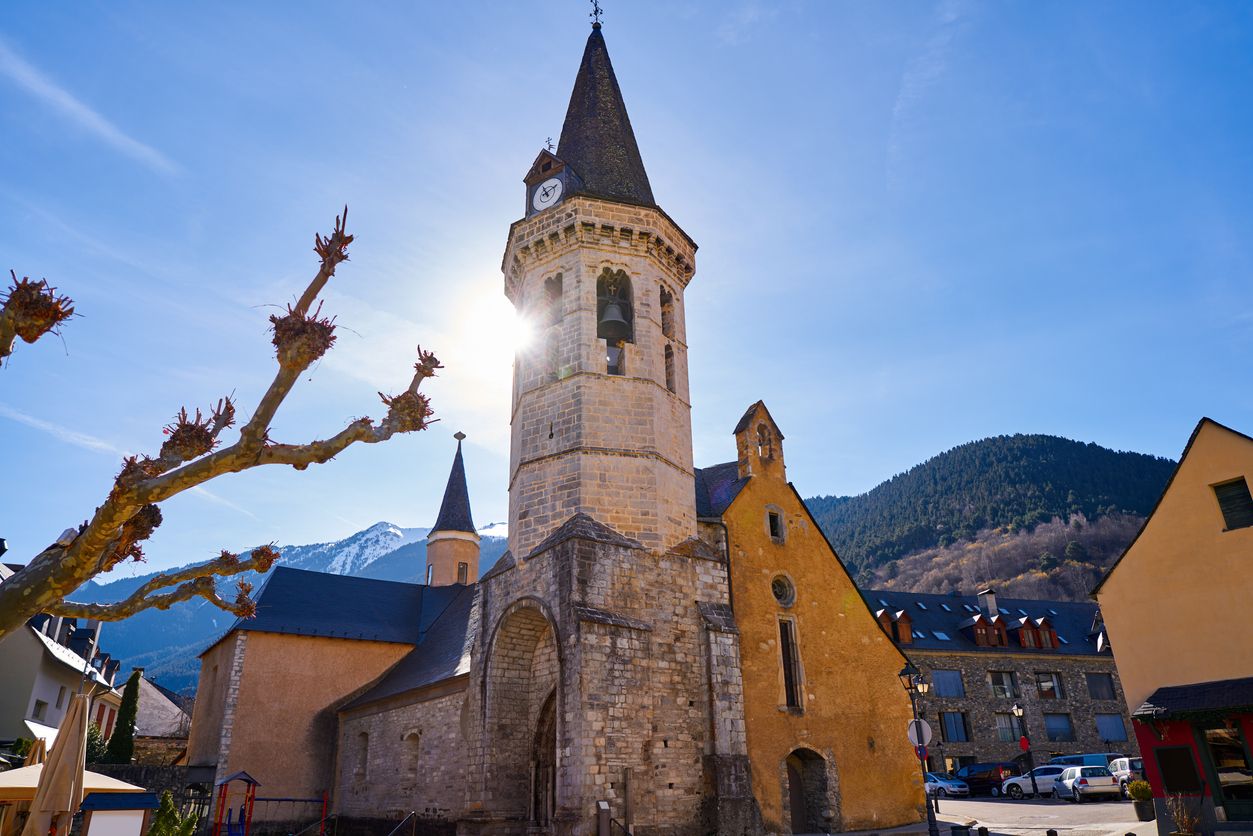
x=1236, y=503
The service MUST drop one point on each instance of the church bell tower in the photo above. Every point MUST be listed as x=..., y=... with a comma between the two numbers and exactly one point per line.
x=601, y=419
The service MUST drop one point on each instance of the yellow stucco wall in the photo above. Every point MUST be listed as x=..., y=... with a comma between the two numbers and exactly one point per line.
x=446, y=552
x=206, y=719
x=852, y=695
x=285, y=724
x=1176, y=605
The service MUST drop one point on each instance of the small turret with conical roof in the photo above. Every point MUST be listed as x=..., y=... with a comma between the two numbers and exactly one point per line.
x=452, y=547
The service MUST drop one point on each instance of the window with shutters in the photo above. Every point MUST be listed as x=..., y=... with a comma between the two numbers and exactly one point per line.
x=1049, y=686
x=1236, y=503
x=1111, y=728
x=1006, y=727
x=953, y=727
x=1003, y=684
x=947, y=683
x=1100, y=686
x=1059, y=728
x=791, y=663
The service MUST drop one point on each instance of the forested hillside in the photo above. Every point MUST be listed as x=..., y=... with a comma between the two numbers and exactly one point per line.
x=1002, y=488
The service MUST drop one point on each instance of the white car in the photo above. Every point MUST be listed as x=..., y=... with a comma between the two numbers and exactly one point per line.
x=1079, y=782
x=943, y=785
x=1020, y=785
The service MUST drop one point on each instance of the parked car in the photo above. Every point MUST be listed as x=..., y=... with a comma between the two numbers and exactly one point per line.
x=1079, y=782
x=1097, y=759
x=1127, y=770
x=942, y=785
x=1020, y=785
x=986, y=778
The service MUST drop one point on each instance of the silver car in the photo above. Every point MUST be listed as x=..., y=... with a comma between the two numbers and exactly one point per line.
x=1077, y=783
x=942, y=785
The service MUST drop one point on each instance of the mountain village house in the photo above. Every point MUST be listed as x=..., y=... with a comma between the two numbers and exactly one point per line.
x=1176, y=605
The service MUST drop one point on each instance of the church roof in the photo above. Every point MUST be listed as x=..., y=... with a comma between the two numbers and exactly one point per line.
x=298, y=602
x=716, y=488
x=454, y=512
x=596, y=139
x=443, y=652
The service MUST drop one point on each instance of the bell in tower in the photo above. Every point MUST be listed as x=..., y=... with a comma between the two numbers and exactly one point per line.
x=601, y=417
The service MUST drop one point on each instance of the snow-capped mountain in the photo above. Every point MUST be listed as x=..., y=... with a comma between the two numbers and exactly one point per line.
x=352, y=554
x=167, y=642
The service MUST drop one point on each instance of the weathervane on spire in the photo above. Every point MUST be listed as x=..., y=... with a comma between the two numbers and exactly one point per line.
x=596, y=12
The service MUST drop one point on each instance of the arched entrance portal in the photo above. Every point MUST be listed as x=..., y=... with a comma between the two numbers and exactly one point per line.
x=522, y=707
x=808, y=797
x=544, y=764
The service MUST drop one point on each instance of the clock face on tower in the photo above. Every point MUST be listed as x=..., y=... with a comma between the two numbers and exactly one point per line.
x=546, y=194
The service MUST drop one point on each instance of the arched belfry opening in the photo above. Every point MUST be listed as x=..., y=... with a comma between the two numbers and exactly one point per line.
x=615, y=317
x=521, y=707
x=807, y=793
x=765, y=442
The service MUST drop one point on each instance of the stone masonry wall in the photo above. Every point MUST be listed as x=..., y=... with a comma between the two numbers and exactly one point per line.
x=981, y=705
x=411, y=759
x=633, y=684
x=618, y=447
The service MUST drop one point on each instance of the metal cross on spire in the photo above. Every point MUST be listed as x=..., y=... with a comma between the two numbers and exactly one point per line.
x=595, y=14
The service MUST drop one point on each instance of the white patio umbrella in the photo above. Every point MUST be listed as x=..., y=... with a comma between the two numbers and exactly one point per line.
x=60, y=789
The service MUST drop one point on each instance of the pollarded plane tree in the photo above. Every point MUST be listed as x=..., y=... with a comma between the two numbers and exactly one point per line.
x=191, y=455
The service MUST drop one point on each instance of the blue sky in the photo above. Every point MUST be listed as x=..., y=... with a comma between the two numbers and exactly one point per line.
x=920, y=224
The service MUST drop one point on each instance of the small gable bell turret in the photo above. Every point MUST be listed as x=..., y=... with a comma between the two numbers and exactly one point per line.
x=759, y=444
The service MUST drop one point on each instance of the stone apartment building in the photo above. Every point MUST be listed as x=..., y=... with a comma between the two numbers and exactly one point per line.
x=984, y=654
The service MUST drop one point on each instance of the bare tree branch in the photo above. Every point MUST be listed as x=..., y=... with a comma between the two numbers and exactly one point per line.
x=190, y=456
x=30, y=310
x=192, y=581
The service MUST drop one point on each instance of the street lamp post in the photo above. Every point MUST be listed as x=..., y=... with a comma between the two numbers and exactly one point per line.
x=1022, y=724
x=915, y=685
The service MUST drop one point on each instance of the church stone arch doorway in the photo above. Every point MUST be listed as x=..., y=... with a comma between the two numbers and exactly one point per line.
x=522, y=717
x=807, y=793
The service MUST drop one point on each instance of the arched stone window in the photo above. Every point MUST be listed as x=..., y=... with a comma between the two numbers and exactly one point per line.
x=670, y=367
x=361, y=772
x=765, y=442
x=615, y=317
x=667, y=313
x=552, y=300
x=412, y=743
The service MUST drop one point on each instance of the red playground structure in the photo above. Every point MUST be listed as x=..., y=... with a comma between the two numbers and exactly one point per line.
x=224, y=812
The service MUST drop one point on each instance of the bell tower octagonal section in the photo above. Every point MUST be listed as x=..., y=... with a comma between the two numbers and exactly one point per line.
x=601, y=415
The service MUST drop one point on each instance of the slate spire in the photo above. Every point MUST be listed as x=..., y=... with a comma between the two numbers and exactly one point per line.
x=596, y=139
x=454, y=513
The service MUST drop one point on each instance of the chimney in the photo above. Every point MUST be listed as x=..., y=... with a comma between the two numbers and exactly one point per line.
x=987, y=601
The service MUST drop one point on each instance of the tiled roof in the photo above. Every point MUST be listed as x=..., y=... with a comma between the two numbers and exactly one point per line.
x=716, y=488
x=1202, y=698
x=454, y=512
x=596, y=138
x=1072, y=620
x=444, y=649
x=303, y=603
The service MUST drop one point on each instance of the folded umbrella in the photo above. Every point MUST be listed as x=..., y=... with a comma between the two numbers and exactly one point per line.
x=60, y=790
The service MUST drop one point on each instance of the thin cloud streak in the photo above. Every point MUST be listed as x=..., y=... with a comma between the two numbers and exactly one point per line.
x=64, y=434
x=38, y=85
x=83, y=441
